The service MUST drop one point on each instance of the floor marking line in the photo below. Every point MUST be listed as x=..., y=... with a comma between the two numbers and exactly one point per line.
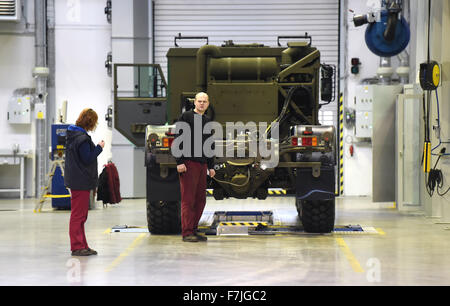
x=107, y=231
x=380, y=231
x=125, y=253
x=349, y=255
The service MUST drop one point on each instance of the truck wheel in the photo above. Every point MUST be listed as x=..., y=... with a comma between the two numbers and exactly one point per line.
x=164, y=217
x=218, y=194
x=261, y=193
x=317, y=216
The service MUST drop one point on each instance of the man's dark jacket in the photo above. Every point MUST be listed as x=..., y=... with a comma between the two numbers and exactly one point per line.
x=77, y=174
x=188, y=117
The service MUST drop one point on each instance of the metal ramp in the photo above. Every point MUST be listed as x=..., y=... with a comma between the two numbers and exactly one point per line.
x=252, y=223
x=239, y=222
x=235, y=223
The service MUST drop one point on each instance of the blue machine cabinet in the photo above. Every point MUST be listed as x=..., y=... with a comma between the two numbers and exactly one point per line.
x=59, y=132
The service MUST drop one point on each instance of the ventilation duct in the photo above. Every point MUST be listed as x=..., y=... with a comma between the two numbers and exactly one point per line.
x=10, y=10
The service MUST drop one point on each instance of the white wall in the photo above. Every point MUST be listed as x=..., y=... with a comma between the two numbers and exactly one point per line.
x=357, y=169
x=83, y=39
x=16, y=63
x=436, y=206
x=442, y=47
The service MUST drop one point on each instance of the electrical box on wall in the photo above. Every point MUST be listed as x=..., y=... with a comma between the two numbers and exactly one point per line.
x=363, y=124
x=19, y=110
x=363, y=111
x=369, y=100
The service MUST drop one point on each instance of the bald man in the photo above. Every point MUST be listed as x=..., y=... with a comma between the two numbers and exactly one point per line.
x=193, y=169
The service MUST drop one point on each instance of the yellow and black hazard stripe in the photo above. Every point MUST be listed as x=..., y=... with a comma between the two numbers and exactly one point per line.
x=243, y=223
x=276, y=191
x=270, y=191
x=341, y=145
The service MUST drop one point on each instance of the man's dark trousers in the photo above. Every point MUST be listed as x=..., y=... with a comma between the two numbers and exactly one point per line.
x=193, y=196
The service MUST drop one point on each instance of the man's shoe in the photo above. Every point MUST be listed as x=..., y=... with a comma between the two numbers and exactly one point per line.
x=84, y=252
x=201, y=237
x=190, y=238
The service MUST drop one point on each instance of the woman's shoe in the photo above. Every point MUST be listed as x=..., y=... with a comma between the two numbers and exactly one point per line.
x=94, y=252
x=84, y=252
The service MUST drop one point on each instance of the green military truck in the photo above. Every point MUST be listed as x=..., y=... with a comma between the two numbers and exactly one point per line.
x=252, y=83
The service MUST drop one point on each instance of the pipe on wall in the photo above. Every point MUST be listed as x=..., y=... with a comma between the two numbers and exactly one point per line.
x=40, y=11
x=51, y=60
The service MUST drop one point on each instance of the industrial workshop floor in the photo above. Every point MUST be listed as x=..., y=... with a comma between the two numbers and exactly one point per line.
x=404, y=249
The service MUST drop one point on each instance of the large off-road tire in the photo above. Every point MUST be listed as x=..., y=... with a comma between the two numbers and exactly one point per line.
x=164, y=217
x=317, y=216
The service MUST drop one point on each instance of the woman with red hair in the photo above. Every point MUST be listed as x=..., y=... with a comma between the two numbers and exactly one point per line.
x=81, y=176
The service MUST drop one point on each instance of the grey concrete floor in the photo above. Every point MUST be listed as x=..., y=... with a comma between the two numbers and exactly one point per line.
x=404, y=249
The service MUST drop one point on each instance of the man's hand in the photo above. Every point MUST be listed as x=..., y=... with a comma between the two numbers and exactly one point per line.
x=181, y=168
x=101, y=144
x=212, y=172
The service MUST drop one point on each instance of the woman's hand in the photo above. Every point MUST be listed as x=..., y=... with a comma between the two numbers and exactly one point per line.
x=101, y=144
